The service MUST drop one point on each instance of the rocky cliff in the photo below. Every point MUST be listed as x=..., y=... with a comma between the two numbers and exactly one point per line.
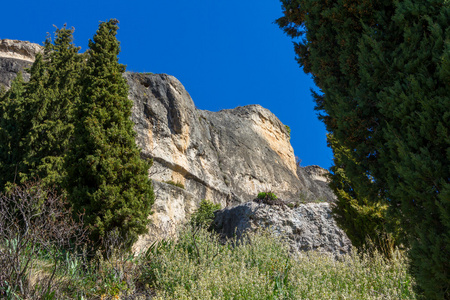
x=226, y=156
x=14, y=57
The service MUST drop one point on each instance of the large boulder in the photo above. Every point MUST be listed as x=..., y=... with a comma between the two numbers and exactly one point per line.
x=304, y=227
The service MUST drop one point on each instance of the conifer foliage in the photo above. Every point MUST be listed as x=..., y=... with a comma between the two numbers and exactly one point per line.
x=383, y=67
x=13, y=127
x=52, y=98
x=37, y=122
x=330, y=53
x=364, y=221
x=106, y=176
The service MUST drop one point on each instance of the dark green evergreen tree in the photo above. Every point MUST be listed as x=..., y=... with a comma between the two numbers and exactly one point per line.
x=328, y=50
x=383, y=67
x=48, y=140
x=12, y=130
x=364, y=221
x=17, y=113
x=106, y=176
x=415, y=103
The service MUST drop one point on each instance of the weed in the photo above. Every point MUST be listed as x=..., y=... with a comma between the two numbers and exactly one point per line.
x=288, y=129
x=260, y=266
x=269, y=198
x=177, y=184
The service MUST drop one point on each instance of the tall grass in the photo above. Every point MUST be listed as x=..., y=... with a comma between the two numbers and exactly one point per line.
x=198, y=266
x=38, y=260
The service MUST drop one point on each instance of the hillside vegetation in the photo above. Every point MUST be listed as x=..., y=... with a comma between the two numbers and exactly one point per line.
x=37, y=263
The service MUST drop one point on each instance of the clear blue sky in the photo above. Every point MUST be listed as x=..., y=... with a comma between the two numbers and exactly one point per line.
x=226, y=53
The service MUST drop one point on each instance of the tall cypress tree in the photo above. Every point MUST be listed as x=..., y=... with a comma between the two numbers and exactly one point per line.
x=107, y=178
x=17, y=113
x=39, y=121
x=415, y=102
x=12, y=130
x=384, y=69
x=329, y=51
x=48, y=140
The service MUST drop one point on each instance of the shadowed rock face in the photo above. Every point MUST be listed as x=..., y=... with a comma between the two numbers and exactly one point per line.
x=227, y=157
x=9, y=67
x=305, y=228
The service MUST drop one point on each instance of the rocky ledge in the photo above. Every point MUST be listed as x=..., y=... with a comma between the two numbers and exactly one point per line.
x=14, y=57
x=304, y=227
x=19, y=49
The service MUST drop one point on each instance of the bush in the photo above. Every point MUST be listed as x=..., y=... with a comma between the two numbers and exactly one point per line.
x=204, y=216
x=177, y=184
x=288, y=129
x=36, y=229
x=267, y=196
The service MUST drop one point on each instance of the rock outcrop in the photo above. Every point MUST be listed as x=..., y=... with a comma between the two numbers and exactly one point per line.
x=227, y=157
x=305, y=227
x=19, y=49
x=14, y=57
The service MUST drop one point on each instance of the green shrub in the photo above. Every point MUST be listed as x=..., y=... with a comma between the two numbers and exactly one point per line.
x=288, y=129
x=204, y=214
x=267, y=196
x=177, y=184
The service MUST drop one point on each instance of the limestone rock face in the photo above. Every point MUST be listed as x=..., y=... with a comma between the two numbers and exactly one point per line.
x=315, y=184
x=307, y=227
x=19, y=49
x=230, y=155
x=173, y=205
x=227, y=157
x=14, y=57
